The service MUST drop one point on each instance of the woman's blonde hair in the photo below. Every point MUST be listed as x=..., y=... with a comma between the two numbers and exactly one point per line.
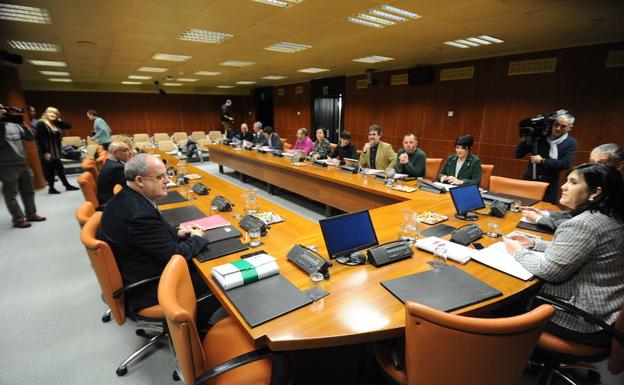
x=51, y=109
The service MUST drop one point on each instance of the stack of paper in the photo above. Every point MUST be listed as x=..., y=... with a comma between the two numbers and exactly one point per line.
x=245, y=271
x=444, y=186
x=497, y=257
x=207, y=223
x=454, y=251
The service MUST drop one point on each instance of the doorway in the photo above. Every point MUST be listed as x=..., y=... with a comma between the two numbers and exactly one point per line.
x=328, y=114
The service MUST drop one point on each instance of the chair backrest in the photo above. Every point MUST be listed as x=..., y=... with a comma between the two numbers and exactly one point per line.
x=177, y=300
x=287, y=146
x=522, y=188
x=197, y=135
x=486, y=173
x=88, y=164
x=84, y=212
x=117, y=189
x=180, y=135
x=332, y=147
x=92, y=149
x=101, y=159
x=73, y=140
x=203, y=143
x=283, y=140
x=443, y=348
x=433, y=168
x=90, y=140
x=166, y=145
x=616, y=359
x=160, y=136
x=105, y=267
x=141, y=138
x=142, y=145
x=89, y=188
x=215, y=136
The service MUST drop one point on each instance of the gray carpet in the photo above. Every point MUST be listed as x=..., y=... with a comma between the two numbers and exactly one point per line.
x=50, y=308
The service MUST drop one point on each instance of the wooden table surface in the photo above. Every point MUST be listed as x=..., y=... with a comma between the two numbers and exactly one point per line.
x=358, y=309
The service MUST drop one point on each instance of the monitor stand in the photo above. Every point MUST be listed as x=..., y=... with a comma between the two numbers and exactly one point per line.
x=354, y=259
x=467, y=216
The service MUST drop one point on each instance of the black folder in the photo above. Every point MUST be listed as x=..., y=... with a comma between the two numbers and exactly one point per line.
x=221, y=233
x=172, y=197
x=446, y=288
x=438, y=231
x=266, y=299
x=221, y=248
x=182, y=214
x=535, y=227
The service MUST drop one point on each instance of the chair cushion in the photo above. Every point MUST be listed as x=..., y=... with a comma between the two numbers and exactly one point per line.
x=227, y=340
x=152, y=312
x=383, y=354
x=553, y=343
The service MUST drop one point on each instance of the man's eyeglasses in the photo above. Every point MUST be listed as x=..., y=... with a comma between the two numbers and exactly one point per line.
x=157, y=177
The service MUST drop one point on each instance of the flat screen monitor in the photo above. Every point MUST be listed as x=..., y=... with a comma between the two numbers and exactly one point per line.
x=467, y=198
x=348, y=233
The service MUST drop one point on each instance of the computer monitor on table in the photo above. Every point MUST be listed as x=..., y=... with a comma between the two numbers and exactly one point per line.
x=346, y=234
x=467, y=198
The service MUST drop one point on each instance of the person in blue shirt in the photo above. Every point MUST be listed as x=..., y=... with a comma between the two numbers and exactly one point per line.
x=101, y=130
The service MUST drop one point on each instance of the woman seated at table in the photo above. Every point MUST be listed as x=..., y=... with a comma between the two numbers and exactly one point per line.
x=303, y=142
x=345, y=149
x=464, y=166
x=270, y=138
x=321, y=145
x=584, y=263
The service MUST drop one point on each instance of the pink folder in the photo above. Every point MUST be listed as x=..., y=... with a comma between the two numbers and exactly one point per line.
x=207, y=223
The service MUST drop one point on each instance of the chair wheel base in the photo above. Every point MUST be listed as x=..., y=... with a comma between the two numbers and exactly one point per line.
x=106, y=318
x=175, y=376
x=121, y=371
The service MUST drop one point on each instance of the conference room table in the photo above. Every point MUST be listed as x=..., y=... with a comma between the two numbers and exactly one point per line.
x=358, y=308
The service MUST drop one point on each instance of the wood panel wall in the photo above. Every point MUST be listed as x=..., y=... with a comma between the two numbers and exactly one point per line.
x=291, y=110
x=142, y=113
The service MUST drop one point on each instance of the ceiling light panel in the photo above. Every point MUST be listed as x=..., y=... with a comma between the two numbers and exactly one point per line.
x=48, y=63
x=172, y=84
x=284, y=46
x=374, y=19
x=203, y=36
x=452, y=43
x=170, y=57
x=151, y=69
x=127, y=82
x=187, y=79
x=373, y=59
x=245, y=82
x=382, y=17
x=273, y=77
x=387, y=15
x=474, y=41
x=492, y=39
x=54, y=73
x=237, y=63
x=24, y=14
x=313, y=70
x=400, y=12
x=207, y=73
x=225, y=86
x=279, y=3
x=139, y=77
x=60, y=80
x=33, y=46
x=364, y=22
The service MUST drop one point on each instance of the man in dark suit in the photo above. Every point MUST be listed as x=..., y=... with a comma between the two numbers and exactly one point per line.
x=140, y=238
x=112, y=173
x=554, y=154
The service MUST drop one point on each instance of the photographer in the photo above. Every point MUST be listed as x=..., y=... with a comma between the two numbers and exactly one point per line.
x=555, y=152
x=14, y=171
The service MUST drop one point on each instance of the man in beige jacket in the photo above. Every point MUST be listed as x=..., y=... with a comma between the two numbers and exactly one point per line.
x=377, y=154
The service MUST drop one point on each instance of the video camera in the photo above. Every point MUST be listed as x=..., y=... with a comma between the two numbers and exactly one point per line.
x=7, y=114
x=540, y=126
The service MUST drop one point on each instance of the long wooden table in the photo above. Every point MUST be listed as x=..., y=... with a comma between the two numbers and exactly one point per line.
x=358, y=309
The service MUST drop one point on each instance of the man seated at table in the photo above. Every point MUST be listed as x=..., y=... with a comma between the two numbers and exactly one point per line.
x=270, y=138
x=411, y=160
x=303, y=142
x=112, y=173
x=242, y=135
x=344, y=149
x=257, y=133
x=142, y=240
x=377, y=154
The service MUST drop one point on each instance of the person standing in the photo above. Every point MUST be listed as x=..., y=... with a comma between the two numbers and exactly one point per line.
x=411, y=160
x=49, y=144
x=32, y=116
x=101, y=130
x=15, y=174
x=226, y=116
x=377, y=154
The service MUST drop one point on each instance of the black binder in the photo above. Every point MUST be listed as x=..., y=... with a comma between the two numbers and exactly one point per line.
x=438, y=231
x=182, y=214
x=535, y=227
x=266, y=299
x=172, y=197
x=221, y=248
x=446, y=288
x=221, y=233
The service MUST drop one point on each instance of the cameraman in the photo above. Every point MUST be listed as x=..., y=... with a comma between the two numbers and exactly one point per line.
x=555, y=153
x=14, y=171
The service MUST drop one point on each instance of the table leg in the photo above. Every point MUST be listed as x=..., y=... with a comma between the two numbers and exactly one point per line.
x=220, y=169
x=328, y=211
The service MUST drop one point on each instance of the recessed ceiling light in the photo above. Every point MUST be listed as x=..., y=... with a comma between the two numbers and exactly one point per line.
x=399, y=11
x=456, y=44
x=273, y=77
x=373, y=59
x=466, y=42
x=279, y=3
x=131, y=83
x=139, y=77
x=172, y=84
x=245, y=82
x=25, y=14
x=492, y=39
x=207, y=73
x=313, y=70
x=474, y=41
x=169, y=57
x=479, y=41
x=284, y=46
x=187, y=79
x=237, y=63
x=48, y=63
x=374, y=19
x=225, y=86
x=151, y=69
x=33, y=46
x=364, y=22
x=203, y=36
x=54, y=73
x=387, y=15
x=60, y=80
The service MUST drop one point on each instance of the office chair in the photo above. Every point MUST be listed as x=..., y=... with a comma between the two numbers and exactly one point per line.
x=84, y=212
x=442, y=348
x=287, y=146
x=107, y=272
x=88, y=186
x=73, y=140
x=102, y=157
x=432, y=168
x=167, y=146
x=117, y=189
x=226, y=348
x=180, y=138
x=161, y=137
x=486, y=173
x=197, y=135
x=560, y=354
x=88, y=164
x=519, y=187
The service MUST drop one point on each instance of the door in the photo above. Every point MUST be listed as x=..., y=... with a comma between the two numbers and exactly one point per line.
x=328, y=114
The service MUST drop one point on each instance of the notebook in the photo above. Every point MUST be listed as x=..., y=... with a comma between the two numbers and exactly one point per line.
x=222, y=233
x=207, y=223
x=182, y=214
x=497, y=257
x=534, y=227
x=172, y=197
x=221, y=248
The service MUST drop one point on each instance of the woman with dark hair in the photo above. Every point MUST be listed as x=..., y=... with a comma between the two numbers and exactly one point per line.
x=464, y=166
x=321, y=145
x=344, y=149
x=584, y=263
x=49, y=144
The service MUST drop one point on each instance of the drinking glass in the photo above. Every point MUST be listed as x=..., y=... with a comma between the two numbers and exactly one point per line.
x=515, y=206
x=190, y=195
x=214, y=210
x=492, y=230
x=254, y=237
x=317, y=280
x=441, y=253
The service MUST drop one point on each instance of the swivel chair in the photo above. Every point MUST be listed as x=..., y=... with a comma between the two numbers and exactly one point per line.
x=522, y=188
x=486, y=173
x=432, y=168
x=88, y=186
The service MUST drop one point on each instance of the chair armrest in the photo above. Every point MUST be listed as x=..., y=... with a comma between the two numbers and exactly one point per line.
x=568, y=308
x=234, y=363
x=117, y=293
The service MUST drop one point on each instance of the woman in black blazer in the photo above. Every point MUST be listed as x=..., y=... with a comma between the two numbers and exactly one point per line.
x=49, y=144
x=469, y=170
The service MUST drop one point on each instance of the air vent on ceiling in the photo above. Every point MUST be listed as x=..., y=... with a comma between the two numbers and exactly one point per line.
x=458, y=73
x=398, y=80
x=615, y=59
x=361, y=84
x=537, y=66
x=299, y=90
x=280, y=91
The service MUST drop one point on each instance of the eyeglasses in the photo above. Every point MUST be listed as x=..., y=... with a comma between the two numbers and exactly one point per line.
x=157, y=177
